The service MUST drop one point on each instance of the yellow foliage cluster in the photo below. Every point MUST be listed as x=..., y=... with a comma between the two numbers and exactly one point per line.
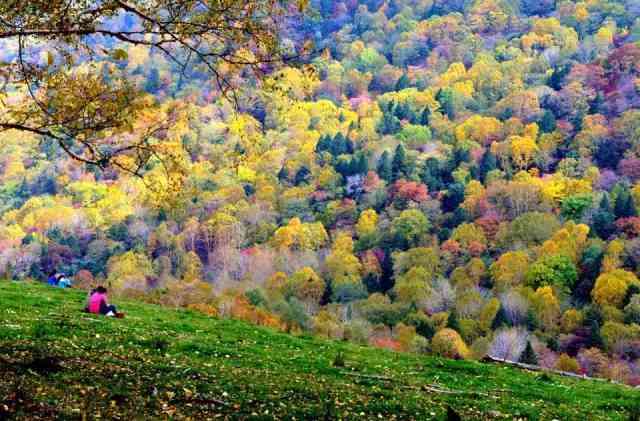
x=616, y=335
x=104, y=205
x=448, y=343
x=549, y=32
x=343, y=266
x=547, y=307
x=566, y=363
x=523, y=150
x=367, y=223
x=612, y=259
x=416, y=99
x=571, y=320
x=129, y=271
x=302, y=236
x=611, y=287
x=326, y=325
x=480, y=129
x=570, y=240
x=509, y=270
x=42, y=213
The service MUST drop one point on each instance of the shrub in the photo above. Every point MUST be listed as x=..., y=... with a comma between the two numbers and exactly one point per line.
x=423, y=324
x=339, y=360
x=420, y=345
x=617, y=336
x=84, y=280
x=571, y=320
x=566, y=363
x=619, y=371
x=207, y=309
x=404, y=335
x=358, y=331
x=592, y=361
x=480, y=348
x=448, y=343
x=327, y=326
x=469, y=330
x=508, y=344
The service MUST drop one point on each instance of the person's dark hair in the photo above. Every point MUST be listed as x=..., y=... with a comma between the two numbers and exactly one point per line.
x=101, y=290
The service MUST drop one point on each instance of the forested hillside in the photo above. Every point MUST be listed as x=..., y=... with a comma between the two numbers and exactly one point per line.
x=458, y=178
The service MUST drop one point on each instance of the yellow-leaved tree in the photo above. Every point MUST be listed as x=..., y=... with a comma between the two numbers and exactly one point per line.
x=128, y=273
x=611, y=287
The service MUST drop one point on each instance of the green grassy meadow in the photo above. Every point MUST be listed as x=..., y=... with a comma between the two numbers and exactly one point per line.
x=59, y=363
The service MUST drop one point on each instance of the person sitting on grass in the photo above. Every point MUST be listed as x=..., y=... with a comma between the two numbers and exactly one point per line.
x=52, y=280
x=99, y=304
x=63, y=281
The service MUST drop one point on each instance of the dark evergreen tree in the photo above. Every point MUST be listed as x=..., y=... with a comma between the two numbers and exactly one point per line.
x=624, y=207
x=338, y=145
x=302, y=176
x=344, y=166
x=445, y=99
x=557, y=78
x=552, y=344
x=403, y=82
x=324, y=143
x=596, y=105
x=592, y=314
x=389, y=124
x=425, y=117
x=424, y=326
x=388, y=109
x=361, y=164
x=326, y=8
x=487, y=163
x=603, y=219
x=609, y=152
x=459, y=156
x=453, y=197
x=249, y=190
x=500, y=320
x=578, y=122
x=452, y=321
x=590, y=267
x=532, y=321
x=384, y=169
x=399, y=163
x=595, y=338
x=548, y=122
x=431, y=174
x=283, y=174
x=529, y=355
x=632, y=290
x=403, y=111
x=348, y=145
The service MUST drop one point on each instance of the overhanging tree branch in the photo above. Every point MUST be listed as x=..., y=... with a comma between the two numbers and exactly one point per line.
x=80, y=113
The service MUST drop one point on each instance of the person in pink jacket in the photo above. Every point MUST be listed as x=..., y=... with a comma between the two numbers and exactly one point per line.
x=99, y=304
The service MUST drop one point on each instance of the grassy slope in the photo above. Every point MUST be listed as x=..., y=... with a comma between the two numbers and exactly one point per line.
x=56, y=362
